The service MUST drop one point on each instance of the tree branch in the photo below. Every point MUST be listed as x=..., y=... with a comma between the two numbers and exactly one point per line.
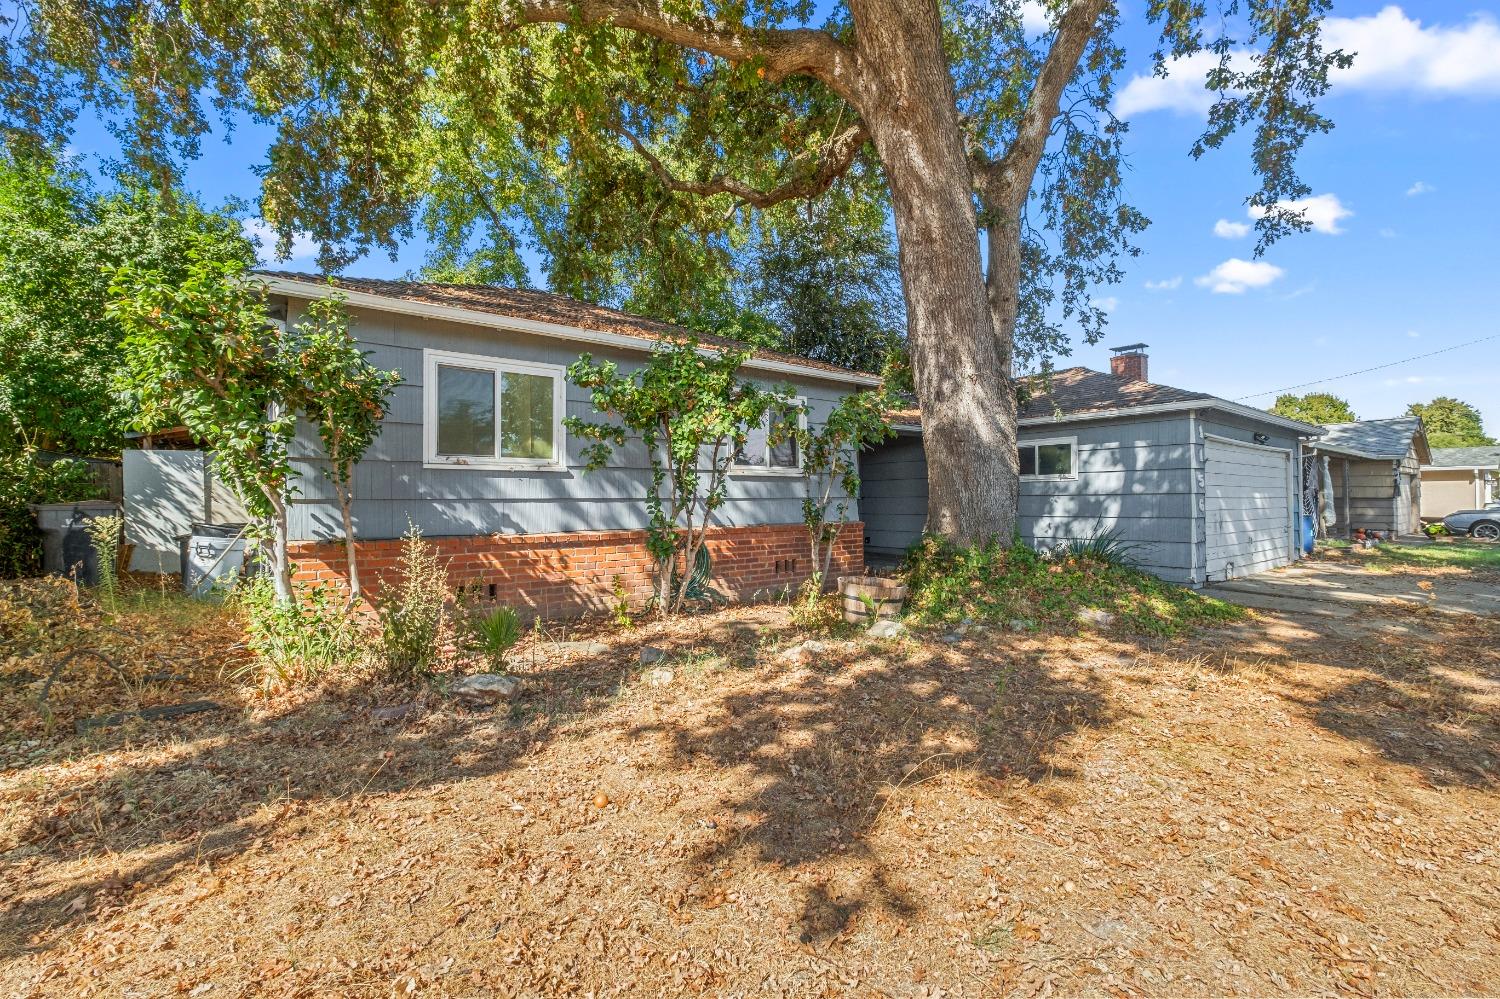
x=784, y=51
x=1006, y=182
x=841, y=153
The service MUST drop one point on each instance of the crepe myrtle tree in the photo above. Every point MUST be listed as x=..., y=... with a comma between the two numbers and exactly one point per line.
x=344, y=396
x=586, y=125
x=692, y=412
x=829, y=455
x=200, y=351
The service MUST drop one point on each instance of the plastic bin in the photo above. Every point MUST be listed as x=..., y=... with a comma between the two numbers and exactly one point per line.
x=1309, y=534
x=67, y=549
x=213, y=558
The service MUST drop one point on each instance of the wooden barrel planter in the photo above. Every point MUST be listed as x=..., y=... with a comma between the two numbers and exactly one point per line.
x=870, y=598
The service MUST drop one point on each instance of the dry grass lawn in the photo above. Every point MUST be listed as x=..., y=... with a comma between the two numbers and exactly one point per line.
x=1278, y=808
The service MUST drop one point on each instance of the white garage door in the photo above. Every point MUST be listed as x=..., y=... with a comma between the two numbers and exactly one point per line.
x=1248, y=508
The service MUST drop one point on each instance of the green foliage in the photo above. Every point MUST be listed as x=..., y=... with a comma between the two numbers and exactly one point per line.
x=25, y=480
x=105, y=533
x=344, y=396
x=412, y=613
x=690, y=410
x=295, y=641
x=999, y=585
x=60, y=243
x=619, y=607
x=1451, y=423
x=830, y=467
x=1107, y=547
x=492, y=632
x=1314, y=407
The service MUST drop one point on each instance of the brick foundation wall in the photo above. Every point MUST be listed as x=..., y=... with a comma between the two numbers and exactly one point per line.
x=565, y=575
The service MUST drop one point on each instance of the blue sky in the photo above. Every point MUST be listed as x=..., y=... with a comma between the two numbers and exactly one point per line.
x=1404, y=258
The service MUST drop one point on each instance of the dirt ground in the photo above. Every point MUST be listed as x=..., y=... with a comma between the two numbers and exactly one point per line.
x=1290, y=806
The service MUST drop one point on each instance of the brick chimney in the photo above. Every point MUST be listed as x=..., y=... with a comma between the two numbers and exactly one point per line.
x=1129, y=362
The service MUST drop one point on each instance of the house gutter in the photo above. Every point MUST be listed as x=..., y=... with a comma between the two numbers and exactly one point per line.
x=309, y=291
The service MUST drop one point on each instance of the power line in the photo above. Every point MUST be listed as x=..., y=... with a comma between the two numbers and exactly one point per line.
x=1366, y=371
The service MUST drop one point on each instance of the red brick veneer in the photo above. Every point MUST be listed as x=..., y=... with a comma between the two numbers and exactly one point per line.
x=560, y=575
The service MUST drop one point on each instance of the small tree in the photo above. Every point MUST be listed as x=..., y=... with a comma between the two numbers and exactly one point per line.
x=345, y=397
x=684, y=403
x=201, y=351
x=830, y=459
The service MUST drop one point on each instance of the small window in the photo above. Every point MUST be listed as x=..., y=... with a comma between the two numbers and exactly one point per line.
x=1049, y=459
x=759, y=454
x=485, y=411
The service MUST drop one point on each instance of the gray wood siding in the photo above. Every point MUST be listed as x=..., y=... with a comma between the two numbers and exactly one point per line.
x=1133, y=478
x=393, y=487
x=1266, y=548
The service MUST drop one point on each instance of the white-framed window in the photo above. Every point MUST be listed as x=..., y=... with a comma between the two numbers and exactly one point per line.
x=1049, y=458
x=490, y=412
x=760, y=456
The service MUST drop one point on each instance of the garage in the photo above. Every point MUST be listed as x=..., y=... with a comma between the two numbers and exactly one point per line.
x=1247, y=507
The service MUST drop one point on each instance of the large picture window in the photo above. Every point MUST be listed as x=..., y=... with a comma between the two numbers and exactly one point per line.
x=760, y=455
x=490, y=412
x=1056, y=458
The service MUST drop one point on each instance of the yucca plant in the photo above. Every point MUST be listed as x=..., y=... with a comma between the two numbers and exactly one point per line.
x=492, y=632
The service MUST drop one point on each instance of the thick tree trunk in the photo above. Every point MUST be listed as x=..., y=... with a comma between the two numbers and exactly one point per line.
x=968, y=406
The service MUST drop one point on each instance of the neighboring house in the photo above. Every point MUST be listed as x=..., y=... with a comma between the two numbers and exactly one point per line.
x=1459, y=478
x=1375, y=466
x=1204, y=488
x=473, y=452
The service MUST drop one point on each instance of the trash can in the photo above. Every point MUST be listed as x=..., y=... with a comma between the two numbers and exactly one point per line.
x=67, y=549
x=213, y=558
x=1309, y=534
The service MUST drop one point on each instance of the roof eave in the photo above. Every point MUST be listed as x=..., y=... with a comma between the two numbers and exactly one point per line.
x=557, y=331
x=1210, y=402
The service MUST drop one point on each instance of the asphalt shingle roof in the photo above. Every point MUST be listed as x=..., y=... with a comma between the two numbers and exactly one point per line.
x=1466, y=457
x=523, y=303
x=1079, y=391
x=1371, y=438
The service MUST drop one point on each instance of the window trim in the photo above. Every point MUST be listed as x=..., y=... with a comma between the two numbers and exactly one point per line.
x=735, y=468
x=1072, y=443
x=432, y=359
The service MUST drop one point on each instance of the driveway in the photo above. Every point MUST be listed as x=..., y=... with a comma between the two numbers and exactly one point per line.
x=1331, y=589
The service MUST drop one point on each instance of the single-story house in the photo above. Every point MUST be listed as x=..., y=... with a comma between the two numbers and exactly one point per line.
x=1205, y=489
x=1459, y=478
x=473, y=452
x=1375, y=467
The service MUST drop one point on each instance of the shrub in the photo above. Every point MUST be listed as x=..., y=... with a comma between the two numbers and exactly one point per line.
x=947, y=583
x=1108, y=547
x=412, y=614
x=297, y=641
x=492, y=632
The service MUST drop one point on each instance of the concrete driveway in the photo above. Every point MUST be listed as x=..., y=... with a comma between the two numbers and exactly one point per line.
x=1335, y=590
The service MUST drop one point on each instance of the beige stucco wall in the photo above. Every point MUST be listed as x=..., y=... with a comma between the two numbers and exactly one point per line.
x=1447, y=490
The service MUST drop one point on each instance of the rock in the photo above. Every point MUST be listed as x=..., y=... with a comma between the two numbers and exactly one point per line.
x=804, y=652
x=579, y=648
x=393, y=712
x=1017, y=624
x=814, y=646
x=486, y=688
x=661, y=676
x=952, y=638
x=885, y=629
x=651, y=655
x=1095, y=618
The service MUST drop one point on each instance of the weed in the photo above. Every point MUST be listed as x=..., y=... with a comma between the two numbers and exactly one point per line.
x=105, y=533
x=620, y=605
x=295, y=641
x=412, y=614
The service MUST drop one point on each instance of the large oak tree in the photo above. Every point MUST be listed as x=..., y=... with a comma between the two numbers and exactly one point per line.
x=585, y=125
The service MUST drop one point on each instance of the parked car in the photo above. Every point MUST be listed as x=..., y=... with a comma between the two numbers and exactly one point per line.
x=1483, y=524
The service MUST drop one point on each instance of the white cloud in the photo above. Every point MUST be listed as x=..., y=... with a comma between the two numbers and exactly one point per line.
x=1414, y=334
x=259, y=232
x=1392, y=52
x=1226, y=229
x=1322, y=211
x=1165, y=284
x=1388, y=233
x=1234, y=276
x=1108, y=304
x=1420, y=187
x=1034, y=17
